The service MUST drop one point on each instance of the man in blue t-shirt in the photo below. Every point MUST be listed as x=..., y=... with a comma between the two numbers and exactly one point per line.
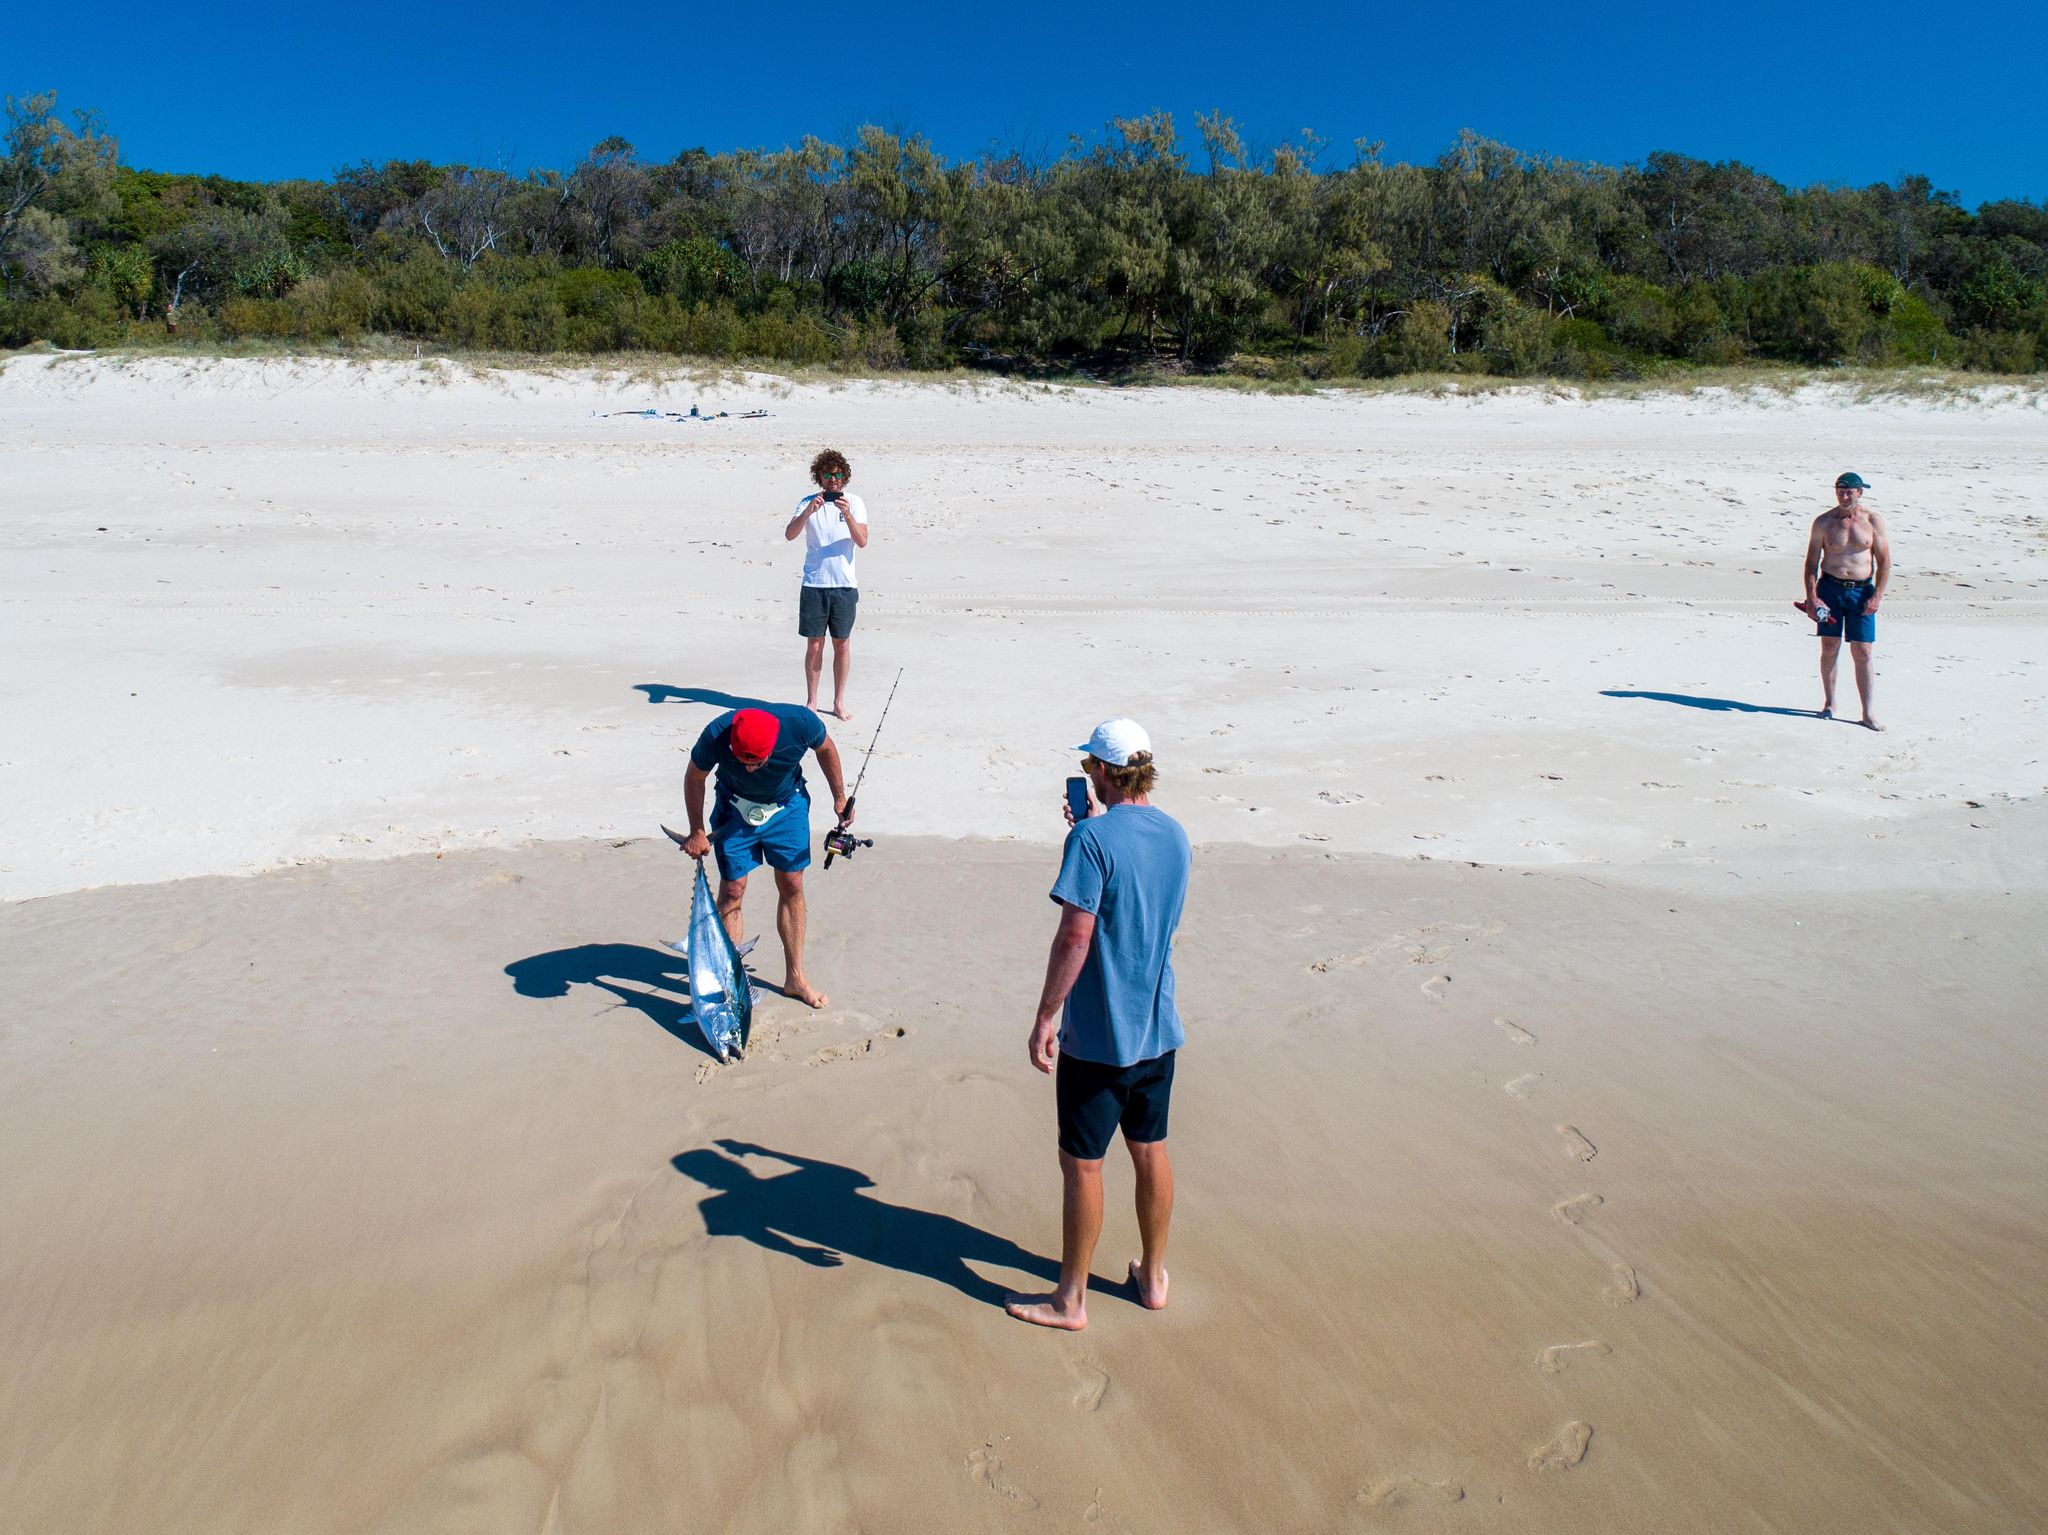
x=1106, y=1023
x=763, y=815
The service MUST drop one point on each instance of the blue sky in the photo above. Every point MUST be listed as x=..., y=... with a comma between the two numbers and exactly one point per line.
x=1829, y=92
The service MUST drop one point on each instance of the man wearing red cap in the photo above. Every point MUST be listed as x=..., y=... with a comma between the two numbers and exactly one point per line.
x=762, y=814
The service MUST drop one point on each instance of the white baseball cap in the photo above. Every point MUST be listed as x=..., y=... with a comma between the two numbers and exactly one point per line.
x=1116, y=742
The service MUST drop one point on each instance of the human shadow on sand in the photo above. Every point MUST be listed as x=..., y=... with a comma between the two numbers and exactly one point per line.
x=1718, y=705
x=819, y=1214
x=620, y=969
x=665, y=693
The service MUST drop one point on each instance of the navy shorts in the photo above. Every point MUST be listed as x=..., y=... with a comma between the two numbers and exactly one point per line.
x=1845, y=601
x=1097, y=1100
x=782, y=842
x=823, y=610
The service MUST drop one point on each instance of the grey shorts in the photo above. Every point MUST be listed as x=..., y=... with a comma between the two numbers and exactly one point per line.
x=823, y=610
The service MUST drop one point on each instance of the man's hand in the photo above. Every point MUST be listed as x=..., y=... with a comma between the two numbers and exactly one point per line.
x=843, y=808
x=1045, y=1044
x=1870, y=604
x=696, y=844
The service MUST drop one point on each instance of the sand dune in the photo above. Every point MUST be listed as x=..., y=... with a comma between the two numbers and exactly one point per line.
x=1612, y=1098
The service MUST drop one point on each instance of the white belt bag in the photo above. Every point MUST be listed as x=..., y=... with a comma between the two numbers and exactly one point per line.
x=754, y=813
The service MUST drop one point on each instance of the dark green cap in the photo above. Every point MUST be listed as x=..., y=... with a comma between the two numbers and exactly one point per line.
x=1850, y=481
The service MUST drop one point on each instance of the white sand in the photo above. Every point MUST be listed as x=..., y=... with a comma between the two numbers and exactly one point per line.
x=384, y=1192
x=348, y=610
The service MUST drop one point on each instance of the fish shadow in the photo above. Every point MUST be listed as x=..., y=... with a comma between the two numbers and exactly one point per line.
x=820, y=1215
x=1717, y=705
x=666, y=693
x=627, y=971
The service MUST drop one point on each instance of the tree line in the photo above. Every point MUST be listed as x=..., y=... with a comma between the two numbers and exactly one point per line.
x=1141, y=251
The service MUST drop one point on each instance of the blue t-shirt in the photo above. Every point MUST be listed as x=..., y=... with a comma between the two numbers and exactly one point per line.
x=778, y=780
x=1129, y=866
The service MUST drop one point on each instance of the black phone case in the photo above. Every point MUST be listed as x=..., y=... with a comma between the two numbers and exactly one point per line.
x=1077, y=797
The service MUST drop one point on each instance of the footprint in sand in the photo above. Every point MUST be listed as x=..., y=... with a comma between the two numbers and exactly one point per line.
x=857, y=1048
x=1576, y=1145
x=1625, y=1287
x=1572, y=1211
x=1095, y=1516
x=1564, y=1451
x=1521, y=1086
x=1514, y=1031
x=1093, y=1387
x=1394, y=1491
x=1553, y=1359
x=986, y=1467
x=1435, y=981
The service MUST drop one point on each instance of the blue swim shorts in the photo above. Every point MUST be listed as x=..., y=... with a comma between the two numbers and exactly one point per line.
x=782, y=842
x=1845, y=601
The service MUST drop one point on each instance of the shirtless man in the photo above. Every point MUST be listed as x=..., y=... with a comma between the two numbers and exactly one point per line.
x=1848, y=565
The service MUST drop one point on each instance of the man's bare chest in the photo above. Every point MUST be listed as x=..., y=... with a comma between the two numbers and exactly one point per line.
x=1852, y=536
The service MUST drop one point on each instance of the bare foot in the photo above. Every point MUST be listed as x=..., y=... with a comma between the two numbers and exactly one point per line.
x=1152, y=1298
x=1871, y=724
x=1827, y=711
x=1046, y=1311
x=797, y=989
x=841, y=712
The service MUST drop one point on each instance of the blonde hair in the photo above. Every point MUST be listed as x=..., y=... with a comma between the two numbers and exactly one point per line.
x=1134, y=778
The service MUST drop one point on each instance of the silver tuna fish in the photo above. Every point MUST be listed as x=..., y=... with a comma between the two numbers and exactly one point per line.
x=721, y=997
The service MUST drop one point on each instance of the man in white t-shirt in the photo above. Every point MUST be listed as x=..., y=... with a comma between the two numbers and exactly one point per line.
x=833, y=525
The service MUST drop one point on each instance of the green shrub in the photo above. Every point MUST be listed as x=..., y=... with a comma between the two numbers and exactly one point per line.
x=1914, y=332
x=1421, y=343
x=1719, y=351
x=242, y=318
x=693, y=270
x=589, y=293
x=124, y=271
x=414, y=298
x=1516, y=339
x=1343, y=356
x=1638, y=314
x=2001, y=351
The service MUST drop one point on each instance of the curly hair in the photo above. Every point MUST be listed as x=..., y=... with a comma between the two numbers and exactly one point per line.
x=831, y=461
x=1135, y=777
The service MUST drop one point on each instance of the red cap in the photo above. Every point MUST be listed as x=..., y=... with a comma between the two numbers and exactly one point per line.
x=754, y=732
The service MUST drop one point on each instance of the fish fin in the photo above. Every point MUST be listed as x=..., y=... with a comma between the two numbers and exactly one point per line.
x=746, y=948
x=679, y=945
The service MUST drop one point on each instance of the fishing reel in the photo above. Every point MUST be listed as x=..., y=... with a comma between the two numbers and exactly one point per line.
x=841, y=843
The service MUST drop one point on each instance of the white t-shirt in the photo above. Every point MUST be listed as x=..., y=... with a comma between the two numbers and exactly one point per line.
x=828, y=547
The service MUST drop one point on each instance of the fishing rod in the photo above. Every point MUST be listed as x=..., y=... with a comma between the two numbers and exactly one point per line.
x=839, y=842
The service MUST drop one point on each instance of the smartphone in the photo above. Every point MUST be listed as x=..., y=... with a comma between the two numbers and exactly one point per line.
x=834, y=497
x=1077, y=798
